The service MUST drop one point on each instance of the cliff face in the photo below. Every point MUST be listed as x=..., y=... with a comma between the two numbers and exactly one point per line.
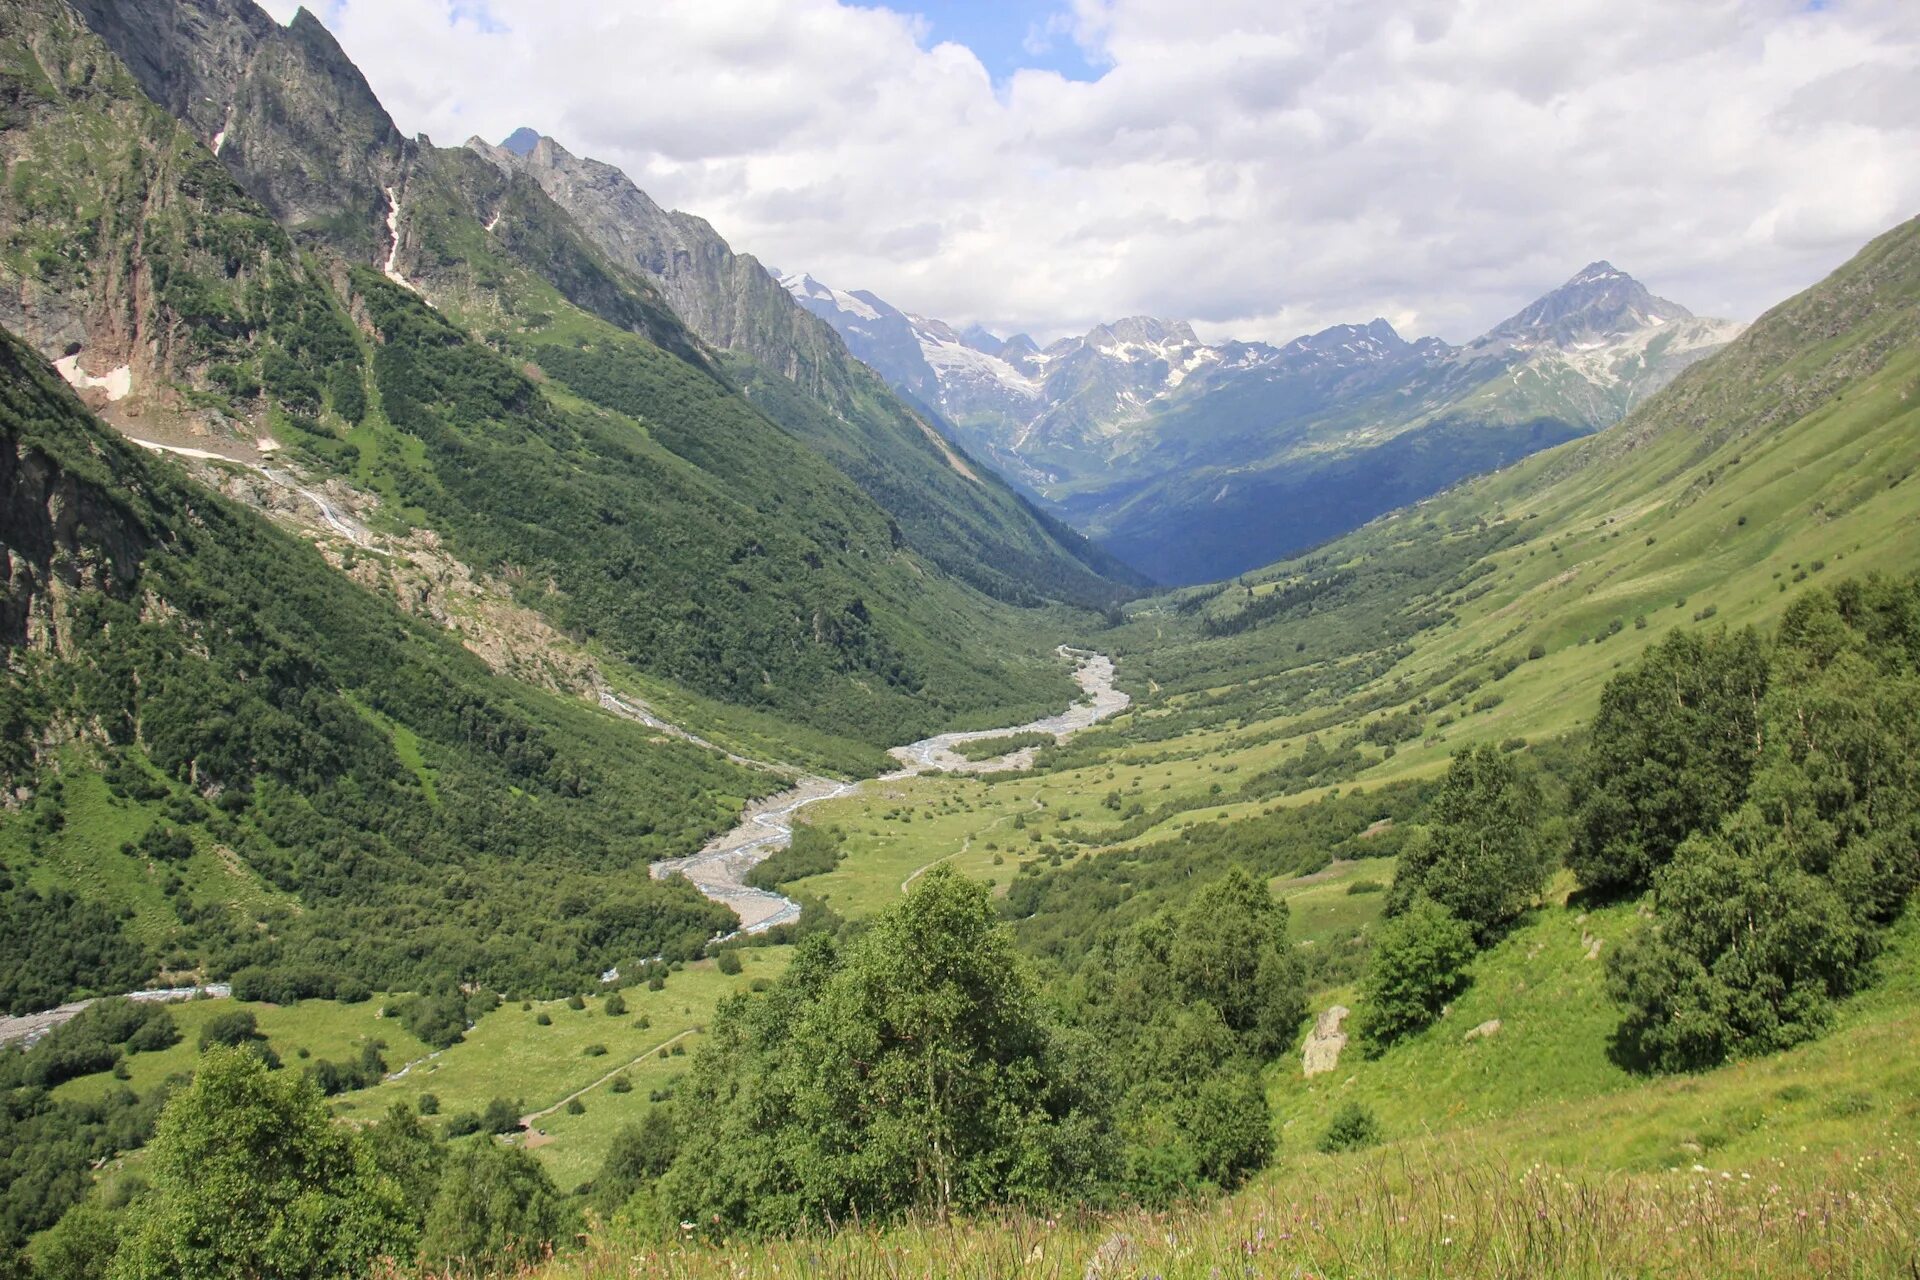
x=286, y=111
x=729, y=299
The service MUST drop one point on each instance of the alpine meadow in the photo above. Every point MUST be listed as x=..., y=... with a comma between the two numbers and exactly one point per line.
x=535, y=743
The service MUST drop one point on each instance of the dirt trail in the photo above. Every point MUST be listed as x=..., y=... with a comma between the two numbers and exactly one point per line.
x=766, y=826
x=527, y=1120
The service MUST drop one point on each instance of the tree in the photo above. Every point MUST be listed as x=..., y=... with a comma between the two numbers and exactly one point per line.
x=409, y=1155
x=1230, y=948
x=496, y=1208
x=1766, y=921
x=1672, y=750
x=1482, y=858
x=79, y=1247
x=640, y=1154
x=916, y=1069
x=251, y=1177
x=1419, y=963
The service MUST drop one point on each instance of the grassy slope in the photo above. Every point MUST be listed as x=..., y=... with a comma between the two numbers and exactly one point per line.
x=506, y=1054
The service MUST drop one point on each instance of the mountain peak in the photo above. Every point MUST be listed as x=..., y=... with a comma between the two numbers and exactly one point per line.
x=1599, y=301
x=521, y=142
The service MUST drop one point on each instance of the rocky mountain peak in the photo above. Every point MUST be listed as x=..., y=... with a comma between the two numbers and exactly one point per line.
x=1140, y=332
x=521, y=142
x=1599, y=302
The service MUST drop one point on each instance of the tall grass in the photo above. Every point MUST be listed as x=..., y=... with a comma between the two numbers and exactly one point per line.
x=1425, y=1209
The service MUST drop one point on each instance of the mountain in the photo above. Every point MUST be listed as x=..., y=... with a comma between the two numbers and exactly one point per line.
x=221, y=752
x=1196, y=460
x=961, y=517
x=437, y=344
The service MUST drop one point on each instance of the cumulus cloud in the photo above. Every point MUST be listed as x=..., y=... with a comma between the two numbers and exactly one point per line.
x=1261, y=169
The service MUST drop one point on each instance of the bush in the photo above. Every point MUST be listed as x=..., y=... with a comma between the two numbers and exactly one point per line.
x=576, y=1002
x=728, y=962
x=543, y=1019
x=575, y=1107
x=621, y=1084
x=501, y=1116
x=595, y=1051
x=463, y=1124
x=615, y=1006
x=1365, y=886
x=1419, y=963
x=429, y=1104
x=1351, y=1128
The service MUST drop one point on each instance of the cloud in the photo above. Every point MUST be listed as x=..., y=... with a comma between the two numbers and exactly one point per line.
x=1261, y=169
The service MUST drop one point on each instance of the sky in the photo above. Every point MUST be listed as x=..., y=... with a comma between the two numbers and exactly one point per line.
x=1261, y=168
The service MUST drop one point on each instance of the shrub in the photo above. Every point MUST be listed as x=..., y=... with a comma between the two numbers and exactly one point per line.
x=595, y=1051
x=621, y=1084
x=429, y=1104
x=543, y=1019
x=1419, y=963
x=575, y=1107
x=501, y=1116
x=576, y=1001
x=1351, y=1128
x=1365, y=886
x=615, y=1006
x=728, y=962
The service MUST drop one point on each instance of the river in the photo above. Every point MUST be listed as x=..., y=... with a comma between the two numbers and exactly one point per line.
x=766, y=826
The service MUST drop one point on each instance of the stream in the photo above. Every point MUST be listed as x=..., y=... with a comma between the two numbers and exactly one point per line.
x=766, y=826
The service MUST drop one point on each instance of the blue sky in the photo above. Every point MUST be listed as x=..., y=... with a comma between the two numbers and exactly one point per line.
x=1006, y=35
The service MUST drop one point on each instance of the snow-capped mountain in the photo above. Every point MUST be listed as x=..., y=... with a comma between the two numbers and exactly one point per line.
x=1144, y=435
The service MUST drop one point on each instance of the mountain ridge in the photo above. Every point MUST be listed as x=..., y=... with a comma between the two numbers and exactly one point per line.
x=1143, y=435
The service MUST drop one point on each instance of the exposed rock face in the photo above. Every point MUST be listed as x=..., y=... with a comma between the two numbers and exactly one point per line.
x=285, y=109
x=727, y=298
x=1324, y=1043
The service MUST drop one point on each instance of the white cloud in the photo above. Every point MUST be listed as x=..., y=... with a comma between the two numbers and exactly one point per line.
x=1259, y=168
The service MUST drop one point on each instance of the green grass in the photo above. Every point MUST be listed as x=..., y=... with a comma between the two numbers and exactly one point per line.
x=507, y=1054
x=326, y=1029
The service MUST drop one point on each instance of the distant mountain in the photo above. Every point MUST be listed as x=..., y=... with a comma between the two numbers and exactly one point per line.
x=1195, y=460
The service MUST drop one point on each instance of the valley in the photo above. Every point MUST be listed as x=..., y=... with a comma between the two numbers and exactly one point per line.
x=589, y=756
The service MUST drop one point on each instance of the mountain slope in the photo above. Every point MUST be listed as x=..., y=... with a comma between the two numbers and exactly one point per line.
x=640, y=503
x=223, y=754
x=959, y=516
x=1194, y=460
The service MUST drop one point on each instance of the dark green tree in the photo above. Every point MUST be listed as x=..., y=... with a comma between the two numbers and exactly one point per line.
x=640, y=1154
x=81, y=1245
x=916, y=1070
x=496, y=1209
x=1763, y=923
x=1672, y=749
x=1482, y=858
x=251, y=1177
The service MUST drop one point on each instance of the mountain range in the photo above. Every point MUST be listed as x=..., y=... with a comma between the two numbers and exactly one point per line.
x=1194, y=461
